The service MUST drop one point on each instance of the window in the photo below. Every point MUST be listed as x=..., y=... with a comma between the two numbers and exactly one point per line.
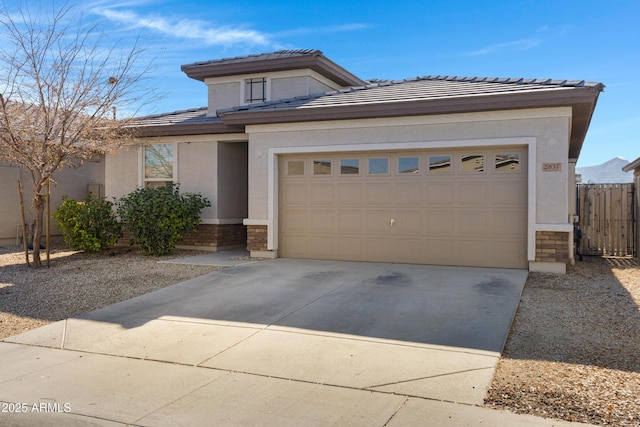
x=409, y=165
x=507, y=162
x=440, y=164
x=255, y=90
x=158, y=164
x=378, y=166
x=349, y=167
x=470, y=163
x=295, y=167
x=322, y=167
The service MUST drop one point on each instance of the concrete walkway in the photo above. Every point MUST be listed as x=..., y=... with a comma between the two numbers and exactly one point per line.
x=279, y=342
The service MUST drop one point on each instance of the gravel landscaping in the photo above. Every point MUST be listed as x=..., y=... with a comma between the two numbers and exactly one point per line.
x=574, y=348
x=573, y=352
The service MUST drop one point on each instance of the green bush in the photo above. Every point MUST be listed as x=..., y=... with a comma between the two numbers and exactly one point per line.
x=158, y=217
x=90, y=225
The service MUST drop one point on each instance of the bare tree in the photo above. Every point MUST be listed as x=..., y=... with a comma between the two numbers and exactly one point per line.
x=59, y=87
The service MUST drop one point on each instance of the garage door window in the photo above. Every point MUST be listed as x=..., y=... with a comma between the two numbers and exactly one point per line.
x=349, y=166
x=322, y=167
x=472, y=163
x=295, y=167
x=507, y=162
x=440, y=164
x=409, y=165
x=378, y=166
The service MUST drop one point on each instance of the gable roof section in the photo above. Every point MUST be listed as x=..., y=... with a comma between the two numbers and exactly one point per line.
x=430, y=95
x=632, y=165
x=268, y=62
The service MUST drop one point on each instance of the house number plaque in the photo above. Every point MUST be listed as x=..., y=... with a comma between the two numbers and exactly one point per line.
x=552, y=167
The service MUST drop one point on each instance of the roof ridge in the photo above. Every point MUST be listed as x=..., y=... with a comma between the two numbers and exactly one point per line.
x=291, y=52
x=171, y=113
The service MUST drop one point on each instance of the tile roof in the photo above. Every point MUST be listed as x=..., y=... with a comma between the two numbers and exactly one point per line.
x=416, y=89
x=258, y=57
x=183, y=117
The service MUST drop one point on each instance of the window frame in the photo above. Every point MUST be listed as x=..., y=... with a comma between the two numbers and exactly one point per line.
x=143, y=180
x=247, y=89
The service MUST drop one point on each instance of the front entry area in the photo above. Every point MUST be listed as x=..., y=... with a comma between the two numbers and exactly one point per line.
x=464, y=207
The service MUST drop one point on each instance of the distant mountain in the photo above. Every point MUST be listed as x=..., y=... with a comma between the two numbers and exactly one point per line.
x=607, y=173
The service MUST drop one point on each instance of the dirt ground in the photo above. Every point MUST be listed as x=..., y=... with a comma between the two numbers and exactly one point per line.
x=573, y=352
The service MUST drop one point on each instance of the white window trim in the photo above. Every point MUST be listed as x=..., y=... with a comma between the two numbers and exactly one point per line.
x=141, y=162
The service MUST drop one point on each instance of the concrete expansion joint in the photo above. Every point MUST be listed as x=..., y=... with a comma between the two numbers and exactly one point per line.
x=464, y=371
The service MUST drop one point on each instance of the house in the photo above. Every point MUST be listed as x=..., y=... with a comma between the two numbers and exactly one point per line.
x=635, y=167
x=311, y=161
x=74, y=183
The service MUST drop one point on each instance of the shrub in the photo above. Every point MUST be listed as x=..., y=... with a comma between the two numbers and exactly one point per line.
x=158, y=217
x=90, y=225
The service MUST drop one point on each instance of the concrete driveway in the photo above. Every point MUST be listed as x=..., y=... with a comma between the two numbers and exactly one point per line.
x=277, y=342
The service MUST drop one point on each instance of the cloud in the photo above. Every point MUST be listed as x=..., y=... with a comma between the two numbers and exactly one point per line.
x=512, y=46
x=324, y=30
x=186, y=28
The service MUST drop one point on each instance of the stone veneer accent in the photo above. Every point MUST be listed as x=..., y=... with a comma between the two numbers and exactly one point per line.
x=552, y=246
x=216, y=236
x=257, y=237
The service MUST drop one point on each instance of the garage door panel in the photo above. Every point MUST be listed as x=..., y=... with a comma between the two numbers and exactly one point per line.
x=321, y=246
x=349, y=221
x=378, y=222
x=321, y=193
x=321, y=220
x=508, y=193
x=294, y=220
x=472, y=193
x=475, y=218
x=378, y=193
x=350, y=247
x=473, y=223
x=513, y=224
x=349, y=194
x=408, y=194
x=440, y=223
x=378, y=249
x=408, y=222
x=440, y=193
x=295, y=193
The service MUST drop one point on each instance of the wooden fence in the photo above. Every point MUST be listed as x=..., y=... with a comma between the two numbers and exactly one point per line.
x=607, y=219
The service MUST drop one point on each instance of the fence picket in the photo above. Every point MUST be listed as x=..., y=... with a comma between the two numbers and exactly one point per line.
x=606, y=219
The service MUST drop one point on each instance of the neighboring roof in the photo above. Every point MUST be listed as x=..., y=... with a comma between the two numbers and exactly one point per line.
x=268, y=62
x=430, y=95
x=632, y=165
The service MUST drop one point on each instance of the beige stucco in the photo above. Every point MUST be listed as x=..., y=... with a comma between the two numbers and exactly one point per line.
x=70, y=182
x=226, y=92
x=544, y=131
x=214, y=166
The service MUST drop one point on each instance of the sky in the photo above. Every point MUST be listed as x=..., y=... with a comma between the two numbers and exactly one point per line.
x=592, y=40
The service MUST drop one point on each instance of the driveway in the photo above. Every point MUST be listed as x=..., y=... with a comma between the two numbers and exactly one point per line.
x=282, y=341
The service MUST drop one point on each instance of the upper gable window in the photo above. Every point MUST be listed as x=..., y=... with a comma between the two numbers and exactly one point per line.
x=255, y=90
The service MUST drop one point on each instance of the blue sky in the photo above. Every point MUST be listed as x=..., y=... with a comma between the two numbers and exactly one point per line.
x=586, y=39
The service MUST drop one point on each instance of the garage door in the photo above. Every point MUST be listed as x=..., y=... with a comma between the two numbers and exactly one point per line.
x=455, y=207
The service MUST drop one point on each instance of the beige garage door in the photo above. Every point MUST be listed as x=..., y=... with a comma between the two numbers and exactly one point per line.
x=453, y=207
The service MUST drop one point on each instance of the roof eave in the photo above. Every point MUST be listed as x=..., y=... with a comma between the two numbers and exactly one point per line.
x=315, y=62
x=632, y=166
x=176, y=129
x=581, y=100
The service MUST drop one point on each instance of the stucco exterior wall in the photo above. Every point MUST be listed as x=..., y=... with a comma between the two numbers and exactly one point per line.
x=197, y=173
x=223, y=95
x=69, y=182
x=549, y=127
x=212, y=165
x=283, y=88
x=122, y=172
